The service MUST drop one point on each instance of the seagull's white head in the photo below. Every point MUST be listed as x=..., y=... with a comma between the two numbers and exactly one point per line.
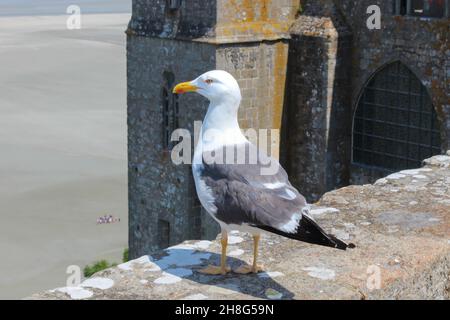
x=216, y=85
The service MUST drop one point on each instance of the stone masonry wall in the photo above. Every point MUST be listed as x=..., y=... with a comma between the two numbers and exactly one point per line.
x=419, y=43
x=154, y=18
x=260, y=69
x=319, y=159
x=318, y=109
x=158, y=189
x=400, y=226
x=214, y=21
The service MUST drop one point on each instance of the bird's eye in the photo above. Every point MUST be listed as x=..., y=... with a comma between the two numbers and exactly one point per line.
x=208, y=81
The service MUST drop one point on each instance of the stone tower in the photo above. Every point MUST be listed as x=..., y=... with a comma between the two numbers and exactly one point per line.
x=169, y=41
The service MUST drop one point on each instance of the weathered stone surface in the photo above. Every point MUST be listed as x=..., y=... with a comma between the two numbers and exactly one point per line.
x=400, y=226
x=218, y=21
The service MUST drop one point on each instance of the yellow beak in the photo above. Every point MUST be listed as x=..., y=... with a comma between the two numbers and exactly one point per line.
x=184, y=87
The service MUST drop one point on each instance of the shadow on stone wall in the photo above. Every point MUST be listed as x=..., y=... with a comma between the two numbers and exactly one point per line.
x=183, y=262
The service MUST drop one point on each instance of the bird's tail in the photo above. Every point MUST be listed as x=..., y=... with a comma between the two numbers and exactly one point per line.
x=309, y=231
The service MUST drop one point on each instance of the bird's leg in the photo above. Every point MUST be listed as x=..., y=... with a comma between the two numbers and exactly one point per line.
x=223, y=268
x=255, y=268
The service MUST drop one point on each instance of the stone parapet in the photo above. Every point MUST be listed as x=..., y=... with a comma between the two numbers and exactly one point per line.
x=400, y=226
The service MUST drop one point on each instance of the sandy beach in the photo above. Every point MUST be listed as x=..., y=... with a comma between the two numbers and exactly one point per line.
x=63, y=146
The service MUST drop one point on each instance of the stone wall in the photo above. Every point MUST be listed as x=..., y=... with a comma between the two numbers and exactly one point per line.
x=321, y=96
x=260, y=69
x=215, y=21
x=154, y=18
x=421, y=44
x=318, y=109
x=160, y=191
x=400, y=226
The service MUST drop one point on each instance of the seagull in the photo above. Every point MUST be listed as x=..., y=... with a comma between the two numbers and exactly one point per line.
x=240, y=195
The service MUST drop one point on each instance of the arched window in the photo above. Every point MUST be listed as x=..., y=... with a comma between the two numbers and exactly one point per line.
x=170, y=110
x=395, y=125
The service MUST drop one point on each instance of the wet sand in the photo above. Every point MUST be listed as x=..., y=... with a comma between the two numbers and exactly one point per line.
x=62, y=147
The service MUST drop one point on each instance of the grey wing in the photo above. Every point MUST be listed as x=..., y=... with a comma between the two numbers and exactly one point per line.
x=243, y=193
x=259, y=171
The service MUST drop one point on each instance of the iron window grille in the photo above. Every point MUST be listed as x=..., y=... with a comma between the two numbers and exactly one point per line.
x=422, y=8
x=170, y=111
x=395, y=124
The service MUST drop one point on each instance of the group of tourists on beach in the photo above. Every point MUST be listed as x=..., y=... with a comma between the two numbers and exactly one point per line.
x=107, y=219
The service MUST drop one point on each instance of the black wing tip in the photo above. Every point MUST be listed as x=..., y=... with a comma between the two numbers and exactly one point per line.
x=321, y=237
x=309, y=231
x=344, y=246
x=339, y=244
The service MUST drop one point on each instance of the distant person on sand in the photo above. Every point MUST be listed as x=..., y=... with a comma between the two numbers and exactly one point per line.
x=107, y=219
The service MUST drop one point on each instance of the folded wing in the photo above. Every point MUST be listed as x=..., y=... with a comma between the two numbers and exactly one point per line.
x=244, y=195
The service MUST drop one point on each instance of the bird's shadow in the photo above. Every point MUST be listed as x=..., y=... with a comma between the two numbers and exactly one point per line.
x=186, y=262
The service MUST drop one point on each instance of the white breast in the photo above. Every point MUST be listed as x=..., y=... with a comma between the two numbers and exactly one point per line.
x=204, y=193
x=209, y=142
